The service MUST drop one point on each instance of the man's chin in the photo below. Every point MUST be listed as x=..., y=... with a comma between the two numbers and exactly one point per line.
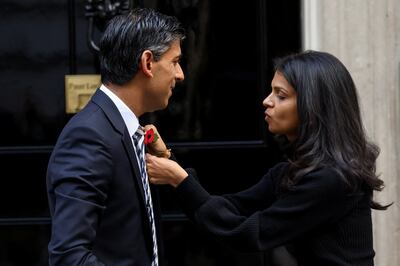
x=165, y=104
x=161, y=107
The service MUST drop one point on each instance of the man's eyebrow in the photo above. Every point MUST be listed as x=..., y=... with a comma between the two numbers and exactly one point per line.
x=178, y=56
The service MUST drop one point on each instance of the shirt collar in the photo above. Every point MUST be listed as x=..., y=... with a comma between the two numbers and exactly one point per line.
x=130, y=119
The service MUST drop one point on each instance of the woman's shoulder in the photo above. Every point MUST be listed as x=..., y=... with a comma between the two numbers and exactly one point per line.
x=326, y=178
x=276, y=172
x=279, y=167
x=329, y=173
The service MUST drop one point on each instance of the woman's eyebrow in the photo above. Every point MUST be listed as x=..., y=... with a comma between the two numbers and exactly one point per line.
x=279, y=89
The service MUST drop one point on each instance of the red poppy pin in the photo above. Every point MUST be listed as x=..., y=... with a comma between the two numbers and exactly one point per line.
x=150, y=136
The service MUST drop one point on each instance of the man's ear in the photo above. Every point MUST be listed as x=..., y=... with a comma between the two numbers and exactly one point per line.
x=146, y=63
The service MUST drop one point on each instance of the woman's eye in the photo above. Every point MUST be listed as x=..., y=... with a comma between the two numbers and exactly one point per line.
x=281, y=97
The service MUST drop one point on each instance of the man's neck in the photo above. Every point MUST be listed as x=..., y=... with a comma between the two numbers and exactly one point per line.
x=130, y=95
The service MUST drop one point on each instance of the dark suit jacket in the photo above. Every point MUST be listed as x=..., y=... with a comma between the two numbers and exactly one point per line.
x=95, y=193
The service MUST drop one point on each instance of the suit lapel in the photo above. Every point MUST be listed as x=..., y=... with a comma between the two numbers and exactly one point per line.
x=115, y=118
x=127, y=142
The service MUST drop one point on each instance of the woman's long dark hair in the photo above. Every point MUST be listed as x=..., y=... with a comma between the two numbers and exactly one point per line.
x=330, y=131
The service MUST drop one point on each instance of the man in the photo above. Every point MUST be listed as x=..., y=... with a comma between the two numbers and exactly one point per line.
x=102, y=210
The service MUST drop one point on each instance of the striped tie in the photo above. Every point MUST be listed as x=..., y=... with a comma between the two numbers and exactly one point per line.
x=138, y=139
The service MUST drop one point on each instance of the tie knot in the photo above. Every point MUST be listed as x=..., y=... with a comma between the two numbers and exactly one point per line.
x=140, y=130
x=139, y=133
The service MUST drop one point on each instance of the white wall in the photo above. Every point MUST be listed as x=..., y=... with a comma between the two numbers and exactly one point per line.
x=365, y=36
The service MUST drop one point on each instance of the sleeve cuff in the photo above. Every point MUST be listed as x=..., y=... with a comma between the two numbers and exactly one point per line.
x=191, y=194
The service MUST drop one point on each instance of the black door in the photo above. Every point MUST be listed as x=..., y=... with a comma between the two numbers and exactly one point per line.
x=214, y=122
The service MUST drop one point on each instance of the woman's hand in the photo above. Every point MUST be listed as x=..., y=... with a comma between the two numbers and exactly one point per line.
x=163, y=171
x=158, y=147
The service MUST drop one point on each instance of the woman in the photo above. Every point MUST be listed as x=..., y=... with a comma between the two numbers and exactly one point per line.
x=319, y=202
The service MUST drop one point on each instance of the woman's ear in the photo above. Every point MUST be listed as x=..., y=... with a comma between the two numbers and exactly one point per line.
x=146, y=63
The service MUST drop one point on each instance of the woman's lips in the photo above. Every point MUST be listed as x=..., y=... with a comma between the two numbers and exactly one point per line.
x=267, y=116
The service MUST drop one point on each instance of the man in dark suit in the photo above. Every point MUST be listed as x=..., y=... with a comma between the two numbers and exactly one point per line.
x=101, y=208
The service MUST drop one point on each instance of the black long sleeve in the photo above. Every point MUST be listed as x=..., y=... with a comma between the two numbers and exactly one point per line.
x=314, y=214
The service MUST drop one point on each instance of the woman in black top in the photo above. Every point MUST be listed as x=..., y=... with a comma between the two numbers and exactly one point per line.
x=319, y=201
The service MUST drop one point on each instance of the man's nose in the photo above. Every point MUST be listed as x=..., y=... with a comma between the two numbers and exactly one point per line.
x=179, y=73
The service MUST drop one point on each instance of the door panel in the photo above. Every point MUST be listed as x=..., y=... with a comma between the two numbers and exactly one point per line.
x=34, y=60
x=214, y=121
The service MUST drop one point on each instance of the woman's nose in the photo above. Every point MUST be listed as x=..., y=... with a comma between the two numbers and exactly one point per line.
x=267, y=101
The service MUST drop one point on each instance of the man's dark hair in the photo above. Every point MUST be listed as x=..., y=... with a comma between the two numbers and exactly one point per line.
x=127, y=36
